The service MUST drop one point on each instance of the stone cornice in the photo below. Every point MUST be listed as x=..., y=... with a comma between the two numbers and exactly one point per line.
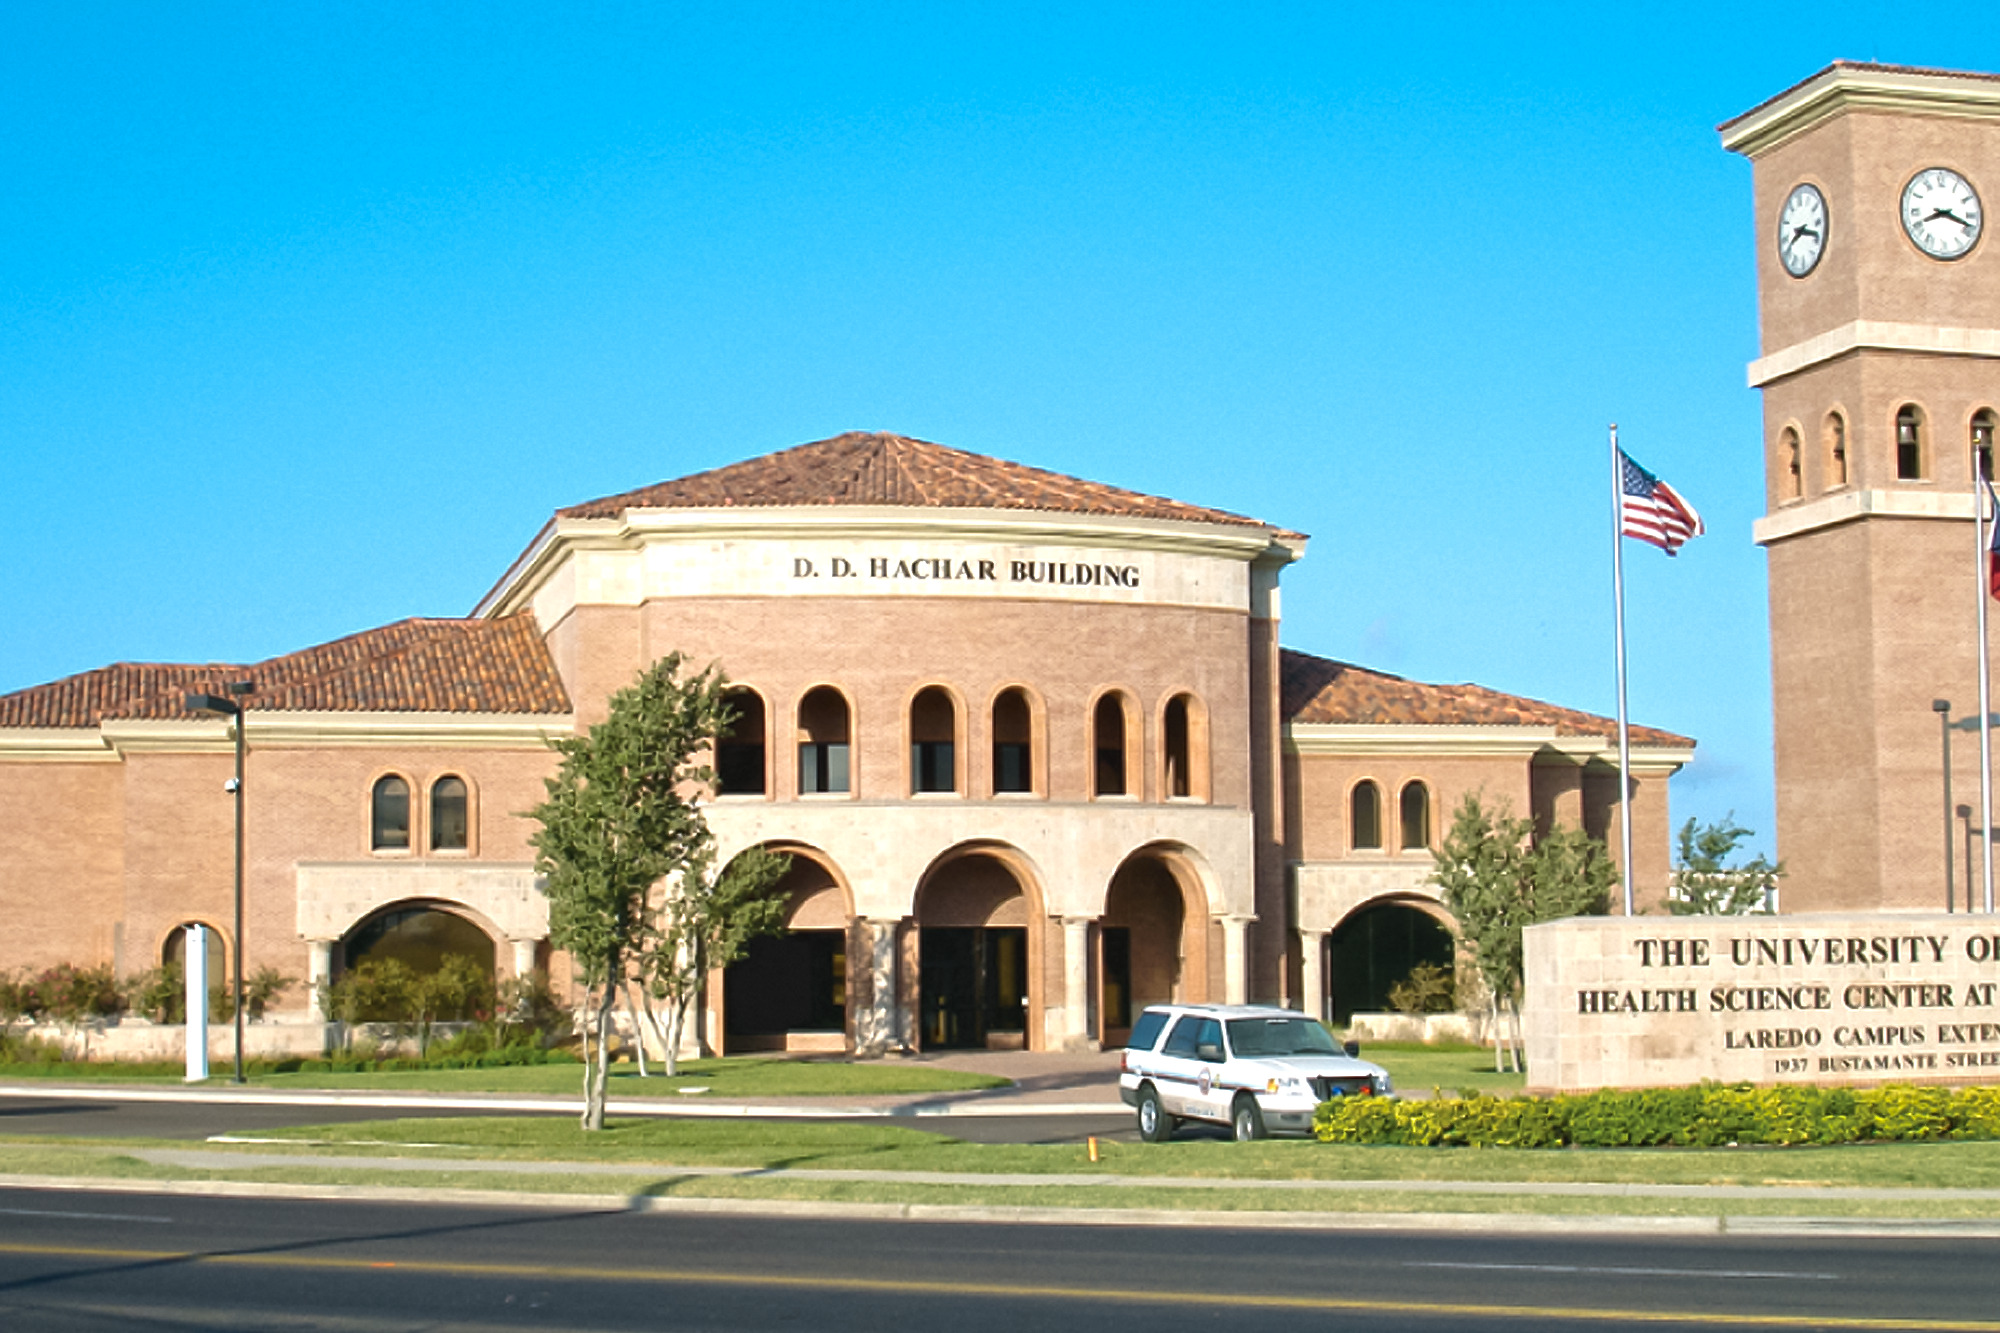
x=118, y=737
x=1872, y=335
x=640, y=528
x=1849, y=87
x=59, y=745
x=1536, y=744
x=1847, y=506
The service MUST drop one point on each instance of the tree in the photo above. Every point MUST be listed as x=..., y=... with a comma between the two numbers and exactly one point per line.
x=707, y=921
x=1705, y=884
x=619, y=819
x=1498, y=879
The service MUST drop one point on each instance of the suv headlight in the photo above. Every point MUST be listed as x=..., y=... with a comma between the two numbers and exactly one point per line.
x=1288, y=1087
x=1384, y=1086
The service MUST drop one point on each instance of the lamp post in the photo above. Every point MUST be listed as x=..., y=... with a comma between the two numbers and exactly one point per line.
x=1942, y=707
x=227, y=706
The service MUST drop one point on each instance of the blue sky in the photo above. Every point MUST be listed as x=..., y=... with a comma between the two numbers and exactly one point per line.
x=310, y=315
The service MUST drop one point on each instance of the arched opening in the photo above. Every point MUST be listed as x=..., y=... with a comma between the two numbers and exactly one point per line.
x=215, y=951
x=824, y=730
x=1982, y=444
x=1909, y=443
x=933, y=741
x=789, y=991
x=1108, y=747
x=1788, y=450
x=1833, y=441
x=417, y=935
x=1152, y=944
x=1374, y=949
x=1184, y=749
x=739, y=752
x=389, y=817
x=975, y=956
x=1364, y=817
x=1013, y=742
x=1416, y=817
x=451, y=808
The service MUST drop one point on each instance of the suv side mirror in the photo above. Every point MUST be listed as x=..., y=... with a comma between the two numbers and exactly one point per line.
x=1352, y=1047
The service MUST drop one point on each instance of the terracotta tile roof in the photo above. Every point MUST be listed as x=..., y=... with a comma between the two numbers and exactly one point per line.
x=412, y=666
x=861, y=468
x=1318, y=689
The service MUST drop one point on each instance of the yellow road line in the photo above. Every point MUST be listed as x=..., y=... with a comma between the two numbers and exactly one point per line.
x=1004, y=1290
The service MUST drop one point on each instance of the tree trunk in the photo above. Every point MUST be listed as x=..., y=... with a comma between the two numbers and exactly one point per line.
x=638, y=1032
x=597, y=1074
x=1520, y=1044
x=1495, y=1035
x=676, y=1023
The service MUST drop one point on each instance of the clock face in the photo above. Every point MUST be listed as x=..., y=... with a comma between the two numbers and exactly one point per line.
x=1941, y=213
x=1802, y=230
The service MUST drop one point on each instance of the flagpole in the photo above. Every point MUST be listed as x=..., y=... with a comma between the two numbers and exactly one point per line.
x=1624, y=732
x=1981, y=521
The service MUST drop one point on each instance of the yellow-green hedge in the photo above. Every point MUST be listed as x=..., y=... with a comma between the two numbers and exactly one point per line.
x=1702, y=1116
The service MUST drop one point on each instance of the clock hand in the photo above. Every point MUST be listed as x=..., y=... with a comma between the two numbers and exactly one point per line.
x=1946, y=214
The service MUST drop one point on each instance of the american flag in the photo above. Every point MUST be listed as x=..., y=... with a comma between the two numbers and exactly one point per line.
x=1653, y=511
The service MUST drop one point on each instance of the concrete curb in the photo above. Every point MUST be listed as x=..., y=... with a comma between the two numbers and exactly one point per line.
x=1434, y=1223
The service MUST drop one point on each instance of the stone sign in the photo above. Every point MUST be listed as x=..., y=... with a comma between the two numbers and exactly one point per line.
x=1631, y=1002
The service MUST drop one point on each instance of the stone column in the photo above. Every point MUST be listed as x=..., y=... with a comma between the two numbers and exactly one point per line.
x=319, y=970
x=1236, y=959
x=1076, y=984
x=877, y=1026
x=524, y=957
x=1312, y=979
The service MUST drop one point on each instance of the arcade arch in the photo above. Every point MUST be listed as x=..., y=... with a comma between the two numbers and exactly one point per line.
x=976, y=982
x=1152, y=942
x=418, y=934
x=1376, y=945
x=790, y=991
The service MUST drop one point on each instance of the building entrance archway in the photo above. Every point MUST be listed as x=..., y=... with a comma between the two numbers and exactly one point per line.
x=977, y=955
x=1152, y=944
x=789, y=991
x=1375, y=948
x=418, y=935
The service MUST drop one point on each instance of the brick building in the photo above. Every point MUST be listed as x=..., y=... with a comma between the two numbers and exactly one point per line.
x=1031, y=742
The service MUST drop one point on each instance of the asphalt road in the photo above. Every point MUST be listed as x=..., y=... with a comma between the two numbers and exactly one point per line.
x=76, y=1262
x=78, y=1117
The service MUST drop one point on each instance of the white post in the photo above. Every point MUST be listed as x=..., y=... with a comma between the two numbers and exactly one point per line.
x=195, y=952
x=1312, y=984
x=1624, y=731
x=1076, y=983
x=1235, y=959
x=1982, y=521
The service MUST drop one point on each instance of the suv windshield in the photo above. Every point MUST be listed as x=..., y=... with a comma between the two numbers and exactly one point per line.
x=1249, y=1037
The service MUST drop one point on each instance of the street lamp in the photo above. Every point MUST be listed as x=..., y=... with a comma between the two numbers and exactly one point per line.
x=1942, y=707
x=227, y=706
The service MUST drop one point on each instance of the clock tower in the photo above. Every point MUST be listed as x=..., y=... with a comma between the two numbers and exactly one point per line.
x=1879, y=308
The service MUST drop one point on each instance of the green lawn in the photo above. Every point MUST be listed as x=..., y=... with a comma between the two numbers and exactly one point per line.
x=733, y=1076
x=1419, y=1069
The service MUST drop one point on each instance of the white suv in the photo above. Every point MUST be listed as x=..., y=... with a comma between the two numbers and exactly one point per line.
x=1251, y=1067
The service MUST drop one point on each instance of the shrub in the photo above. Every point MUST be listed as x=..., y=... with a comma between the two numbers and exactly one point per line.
x=1708, y=1115
x=1428, y=989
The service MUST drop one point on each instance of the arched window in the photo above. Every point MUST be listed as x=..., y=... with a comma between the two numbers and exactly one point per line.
x=823, y=742
x=1364, y=817
x=739, y=754
x=389, y=822
x=933, y=735
x=1982, y=443
x=1416, y=817
x=215, y=950
x=1184, y=749
x=1107, y=741
x=1833, y=439
x=1013, y=743
x=1789, y=448
x=450, y=815
x=1909, y=443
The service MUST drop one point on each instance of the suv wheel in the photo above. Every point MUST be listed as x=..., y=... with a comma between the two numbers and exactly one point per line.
x=1245, y=1120
x=1155, y=1125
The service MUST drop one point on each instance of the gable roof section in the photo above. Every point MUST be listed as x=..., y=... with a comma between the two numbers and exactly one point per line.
x=415, y=666
x=864, y=468
x=1321, y=690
